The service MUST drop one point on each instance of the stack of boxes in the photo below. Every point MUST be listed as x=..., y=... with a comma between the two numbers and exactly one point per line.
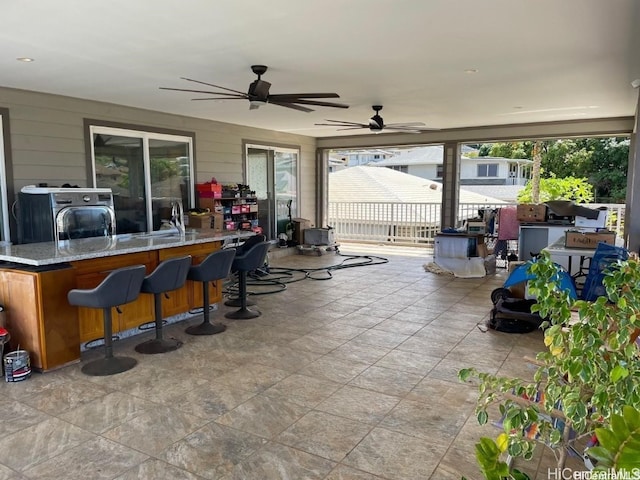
x=209, y=195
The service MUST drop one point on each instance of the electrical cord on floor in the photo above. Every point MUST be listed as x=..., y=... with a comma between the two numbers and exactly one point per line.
x=280, y=276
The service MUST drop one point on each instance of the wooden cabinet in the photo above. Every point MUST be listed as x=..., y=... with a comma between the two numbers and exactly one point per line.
x=39, y=318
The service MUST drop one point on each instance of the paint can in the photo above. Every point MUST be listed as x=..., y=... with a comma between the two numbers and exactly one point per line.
x=17, y=366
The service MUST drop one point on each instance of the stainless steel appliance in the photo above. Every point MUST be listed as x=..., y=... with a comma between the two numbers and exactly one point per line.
x=46, y=214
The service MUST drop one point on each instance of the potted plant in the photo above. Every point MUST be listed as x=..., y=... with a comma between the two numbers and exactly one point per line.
x=584, y=380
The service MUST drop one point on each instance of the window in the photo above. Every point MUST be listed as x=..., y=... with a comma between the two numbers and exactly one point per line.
x=146, y=172
x=487, y=170
x=439, y=171
x=399, y=168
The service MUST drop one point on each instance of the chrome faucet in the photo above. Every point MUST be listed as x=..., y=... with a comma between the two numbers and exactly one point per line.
x=177, y=216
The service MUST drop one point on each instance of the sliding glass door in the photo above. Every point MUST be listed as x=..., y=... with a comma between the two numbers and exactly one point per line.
x=273, y=173
x=146, y=173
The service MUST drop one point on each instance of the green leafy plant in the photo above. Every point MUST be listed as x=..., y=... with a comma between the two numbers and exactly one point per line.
x=586, y=376
x=619, y=444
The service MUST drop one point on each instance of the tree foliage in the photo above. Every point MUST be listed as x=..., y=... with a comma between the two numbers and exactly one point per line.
x=602, y=161
x=569, y=188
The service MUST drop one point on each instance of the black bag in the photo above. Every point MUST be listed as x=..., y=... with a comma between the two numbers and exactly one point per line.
x=512, y=315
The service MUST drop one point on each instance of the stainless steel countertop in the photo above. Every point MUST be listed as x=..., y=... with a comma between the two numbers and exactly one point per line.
x=52, y=253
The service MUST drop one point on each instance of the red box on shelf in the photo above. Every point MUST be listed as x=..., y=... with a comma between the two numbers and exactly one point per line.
x=236, y=209
x=244, y=209
x=209, y=187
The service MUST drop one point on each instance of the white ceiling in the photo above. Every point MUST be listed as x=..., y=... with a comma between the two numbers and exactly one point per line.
x=537, y=60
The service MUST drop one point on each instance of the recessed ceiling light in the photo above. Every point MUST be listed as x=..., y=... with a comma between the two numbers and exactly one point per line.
x=517, y=107
x=471, y=70
x=24, y=59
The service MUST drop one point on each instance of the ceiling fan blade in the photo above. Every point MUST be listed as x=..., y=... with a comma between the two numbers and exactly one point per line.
x=293, y=96
x=320, y=104
x=220, y=98
x=340, y=123
x=212, y=85
x=406, y=124
x=403, y=129
x=292, y=106
x=230, y=95
x=350, y=128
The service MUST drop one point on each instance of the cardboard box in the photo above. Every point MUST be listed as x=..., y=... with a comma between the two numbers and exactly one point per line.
x=530, y=213
x=589, y=240
x=199, y=221
x=209, y=203
x=210, y=221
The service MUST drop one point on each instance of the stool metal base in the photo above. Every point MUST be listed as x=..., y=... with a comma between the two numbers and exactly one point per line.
x=243, y=314
x=206, y=328
x=108, y=366
x=158, y=346
x=237, y=302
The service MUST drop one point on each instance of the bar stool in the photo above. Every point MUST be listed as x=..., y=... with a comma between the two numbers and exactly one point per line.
x=169, y=275
x=241, y=250
x=216, y=266
x=119, y=287
x=244, y=263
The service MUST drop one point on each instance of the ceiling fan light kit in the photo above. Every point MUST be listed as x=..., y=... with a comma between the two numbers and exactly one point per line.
x=258, y=94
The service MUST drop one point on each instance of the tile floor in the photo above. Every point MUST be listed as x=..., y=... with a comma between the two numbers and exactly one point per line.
x=351, y=378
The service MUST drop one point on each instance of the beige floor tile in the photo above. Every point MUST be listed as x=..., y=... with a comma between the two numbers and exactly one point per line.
x=385, y=453
x=154, y=430
x=263, y=415
x=276, y=461
x=107, y=412
x=212, y=451
x=324, y=435
x=386, y=380
x=40, y=442
x=157, y=470
x=342, y=472
x=98, y=459
x=359, y=404
x=303, y=390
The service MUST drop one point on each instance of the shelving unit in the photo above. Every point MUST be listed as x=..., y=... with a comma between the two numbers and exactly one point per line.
x=236, y=211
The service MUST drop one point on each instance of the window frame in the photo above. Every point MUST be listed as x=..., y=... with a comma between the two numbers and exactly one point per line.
x=6, y=179
x=145, y=133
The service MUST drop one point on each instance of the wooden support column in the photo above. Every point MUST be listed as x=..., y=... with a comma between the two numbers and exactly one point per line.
x=450, y=185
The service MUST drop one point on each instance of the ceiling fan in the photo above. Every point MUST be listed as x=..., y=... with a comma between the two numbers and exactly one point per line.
x=258, y=94
x=376, y=124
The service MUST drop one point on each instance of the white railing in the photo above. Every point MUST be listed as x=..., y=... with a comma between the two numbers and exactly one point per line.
x=416, y=223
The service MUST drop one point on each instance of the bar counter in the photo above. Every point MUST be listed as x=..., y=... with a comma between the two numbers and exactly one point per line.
x=52, y=253
x=35, y=279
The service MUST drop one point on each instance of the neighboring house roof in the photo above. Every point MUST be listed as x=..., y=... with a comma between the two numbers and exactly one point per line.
x=432, y=155
x=367, y=184
x=380, y=185
x=507, y=193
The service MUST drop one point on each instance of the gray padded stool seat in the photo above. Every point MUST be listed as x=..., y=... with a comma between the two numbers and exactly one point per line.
x=169, y=275
x=216, y=266
x=252, y=259
x=241, y=250
x=119, y=287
